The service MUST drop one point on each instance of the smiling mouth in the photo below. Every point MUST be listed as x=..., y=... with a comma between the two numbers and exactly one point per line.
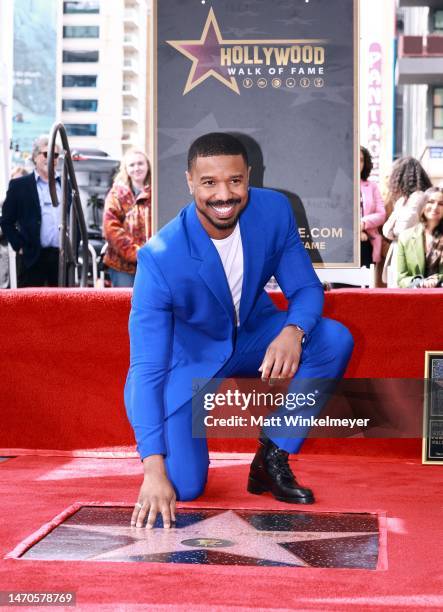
x=224, y=210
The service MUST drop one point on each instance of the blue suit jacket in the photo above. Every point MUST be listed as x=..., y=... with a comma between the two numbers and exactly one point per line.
x=182, y=320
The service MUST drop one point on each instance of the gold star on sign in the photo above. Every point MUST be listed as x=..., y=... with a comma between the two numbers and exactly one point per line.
x=205, y=56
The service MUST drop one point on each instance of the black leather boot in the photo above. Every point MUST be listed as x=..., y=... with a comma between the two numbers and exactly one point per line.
x=270, y=471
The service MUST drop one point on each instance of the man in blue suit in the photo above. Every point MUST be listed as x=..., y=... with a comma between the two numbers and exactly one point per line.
x=199, y=310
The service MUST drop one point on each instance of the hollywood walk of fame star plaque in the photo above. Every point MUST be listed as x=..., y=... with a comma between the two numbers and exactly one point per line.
x=433, y=409
x=217, y=537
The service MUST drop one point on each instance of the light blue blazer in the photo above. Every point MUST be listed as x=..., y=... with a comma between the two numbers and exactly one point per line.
x=182, y=323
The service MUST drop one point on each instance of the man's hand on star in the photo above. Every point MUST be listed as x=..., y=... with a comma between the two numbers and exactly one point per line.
x=282, y=356
x=156, y=495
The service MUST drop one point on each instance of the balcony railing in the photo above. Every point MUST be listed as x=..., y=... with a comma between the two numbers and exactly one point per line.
x=129, y=114
x=421, y=46
x=129, y=138
x=130, y=39
x=130, y=43
x=129, y=90
x=131, y=17
x=130, y=65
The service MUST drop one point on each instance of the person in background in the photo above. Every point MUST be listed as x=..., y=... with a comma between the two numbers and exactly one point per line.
x=31, y=223
x=385, y=243
x=127, y=217
x=4, y=255
x=18, y=171
x=420, y=248
x=373, y=213
x=407, y=184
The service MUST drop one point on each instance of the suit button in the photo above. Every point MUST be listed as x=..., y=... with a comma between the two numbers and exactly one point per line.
x=195, y=386
x=222, y=358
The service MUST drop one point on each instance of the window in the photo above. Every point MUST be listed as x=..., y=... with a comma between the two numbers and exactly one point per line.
x=437, y=114
x=81, y=31
x=81, y=129
x=79, y=6
x=79, y=80
x=79, y=105
x=80, y=56
x=438, y=21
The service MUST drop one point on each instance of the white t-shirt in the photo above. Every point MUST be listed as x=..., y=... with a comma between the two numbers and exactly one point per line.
x=230, y=250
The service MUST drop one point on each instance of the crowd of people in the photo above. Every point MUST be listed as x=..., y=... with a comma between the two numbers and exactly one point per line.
x=400, y=233
x=29, y=221
x=402, y=236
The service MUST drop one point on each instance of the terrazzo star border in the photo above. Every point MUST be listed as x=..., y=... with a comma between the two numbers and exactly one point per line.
x=100, y=531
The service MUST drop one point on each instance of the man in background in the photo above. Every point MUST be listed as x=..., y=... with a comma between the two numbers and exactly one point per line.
x=31, y=223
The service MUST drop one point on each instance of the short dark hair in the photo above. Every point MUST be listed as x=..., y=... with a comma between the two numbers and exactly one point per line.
x=367, y=164
x=216, y=143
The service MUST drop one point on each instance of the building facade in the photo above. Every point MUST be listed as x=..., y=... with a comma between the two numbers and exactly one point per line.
x=6, y=64
x=419, y=74
x=102, y=73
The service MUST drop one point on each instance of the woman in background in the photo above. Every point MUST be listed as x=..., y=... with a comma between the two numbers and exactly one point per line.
x=420, y=249
x=407, y=184
x=373, y=213
x=127, y=217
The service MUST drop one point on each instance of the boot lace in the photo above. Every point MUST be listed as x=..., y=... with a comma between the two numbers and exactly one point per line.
x=282, y=463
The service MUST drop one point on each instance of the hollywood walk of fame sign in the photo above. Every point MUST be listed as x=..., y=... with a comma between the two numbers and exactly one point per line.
x=217, y=537
x=283, y=77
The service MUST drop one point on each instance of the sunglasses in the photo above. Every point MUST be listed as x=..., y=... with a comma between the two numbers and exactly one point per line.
x=45, y=154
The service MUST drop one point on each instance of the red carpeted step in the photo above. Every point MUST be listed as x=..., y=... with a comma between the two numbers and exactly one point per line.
x=65, y=358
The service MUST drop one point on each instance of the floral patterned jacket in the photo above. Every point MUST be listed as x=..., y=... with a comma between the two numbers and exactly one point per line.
x=126, y=226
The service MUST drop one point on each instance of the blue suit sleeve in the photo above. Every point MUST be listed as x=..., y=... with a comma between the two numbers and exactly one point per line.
x=150, y=333
x=298, y=280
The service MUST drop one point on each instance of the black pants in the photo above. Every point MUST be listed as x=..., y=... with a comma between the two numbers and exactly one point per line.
x=366, y=253
x=43, y=273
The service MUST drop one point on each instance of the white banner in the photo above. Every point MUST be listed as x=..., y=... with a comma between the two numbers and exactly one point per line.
x=377, y=36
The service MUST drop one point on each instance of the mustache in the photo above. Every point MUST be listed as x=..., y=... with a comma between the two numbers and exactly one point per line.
x=230, y=202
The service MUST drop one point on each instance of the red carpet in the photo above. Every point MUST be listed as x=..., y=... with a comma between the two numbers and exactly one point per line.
x=36, y=489
x=62, y=381
x=67, y=359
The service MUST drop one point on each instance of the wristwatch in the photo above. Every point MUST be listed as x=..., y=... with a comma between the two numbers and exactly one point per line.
x=300, y=329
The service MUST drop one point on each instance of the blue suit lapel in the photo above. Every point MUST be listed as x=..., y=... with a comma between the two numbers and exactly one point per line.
x=253, y=259
x=211, y=268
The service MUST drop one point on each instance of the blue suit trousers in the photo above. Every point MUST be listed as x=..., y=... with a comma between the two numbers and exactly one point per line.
x=325, y=355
